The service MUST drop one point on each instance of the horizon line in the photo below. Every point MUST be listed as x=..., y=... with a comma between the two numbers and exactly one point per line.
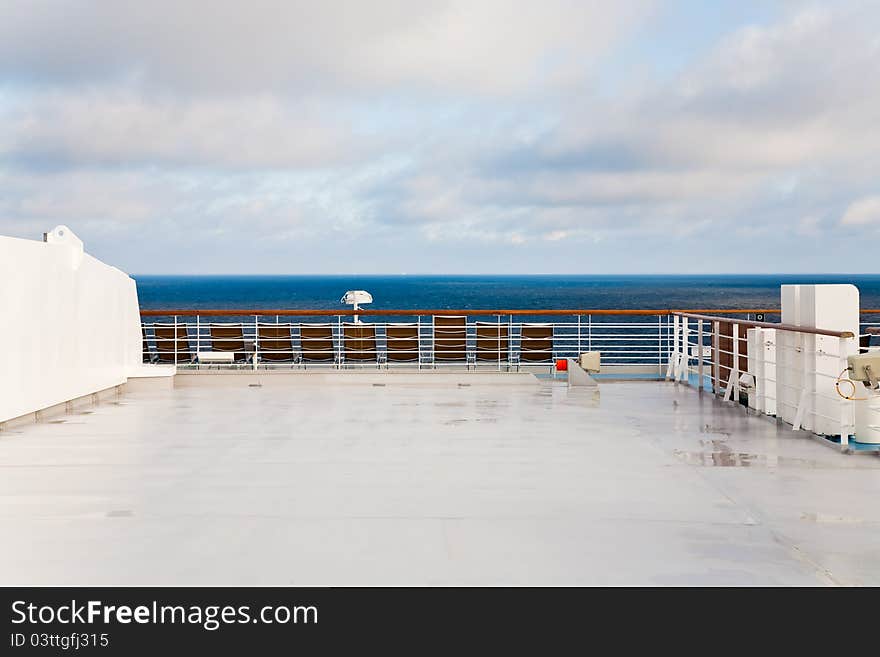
x=213, y=274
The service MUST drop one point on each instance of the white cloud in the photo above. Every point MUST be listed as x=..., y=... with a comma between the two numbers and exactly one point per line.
x=129, y=129
x=863, y=211
x=809, y=226
x=228, y=46
x=428, y=128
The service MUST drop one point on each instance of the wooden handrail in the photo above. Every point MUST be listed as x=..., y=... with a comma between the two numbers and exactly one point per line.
x=778, y=327
x=287, y=312
x=233, y=312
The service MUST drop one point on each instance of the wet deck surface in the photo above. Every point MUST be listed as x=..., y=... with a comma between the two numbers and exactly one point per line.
x=430, y=483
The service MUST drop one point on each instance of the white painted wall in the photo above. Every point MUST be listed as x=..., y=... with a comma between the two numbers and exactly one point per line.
x=69, y=324
x=832, y=307
x=762, y=361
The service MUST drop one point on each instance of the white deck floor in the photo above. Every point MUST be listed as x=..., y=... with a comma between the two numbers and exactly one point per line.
x=321, y=480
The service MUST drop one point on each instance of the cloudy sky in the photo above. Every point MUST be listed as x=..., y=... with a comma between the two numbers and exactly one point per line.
x=445, y=136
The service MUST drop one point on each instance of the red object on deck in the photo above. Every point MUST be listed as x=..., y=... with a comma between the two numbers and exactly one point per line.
x=561, y=365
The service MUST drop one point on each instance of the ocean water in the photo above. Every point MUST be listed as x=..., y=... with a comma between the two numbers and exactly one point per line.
x=478, y=292
x=497, y=292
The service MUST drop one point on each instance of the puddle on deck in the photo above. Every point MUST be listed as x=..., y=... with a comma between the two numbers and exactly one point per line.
x=727, y=458
x=577, y=395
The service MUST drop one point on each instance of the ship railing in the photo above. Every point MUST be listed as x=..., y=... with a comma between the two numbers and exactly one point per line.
x=631, y=341
x=795, y=373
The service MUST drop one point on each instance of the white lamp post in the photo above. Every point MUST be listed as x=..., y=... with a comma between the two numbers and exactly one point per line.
x=355, y=297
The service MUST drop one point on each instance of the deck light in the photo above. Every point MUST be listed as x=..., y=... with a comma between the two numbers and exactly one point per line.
x=355, y=297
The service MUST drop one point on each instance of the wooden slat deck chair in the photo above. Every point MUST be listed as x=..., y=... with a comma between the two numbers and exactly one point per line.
x=229, y=337
x=316, y=343
x=450, y=338
x=171, y=348
x=401, y=343
x=275, y=343
x=359, y=343
x=492, y=342
x=872, y=334
x=536, y=343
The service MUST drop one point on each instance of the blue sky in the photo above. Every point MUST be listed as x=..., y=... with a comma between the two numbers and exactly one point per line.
x=445, y=136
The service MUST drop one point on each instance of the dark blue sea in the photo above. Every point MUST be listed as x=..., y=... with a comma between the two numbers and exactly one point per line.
x=476, y=292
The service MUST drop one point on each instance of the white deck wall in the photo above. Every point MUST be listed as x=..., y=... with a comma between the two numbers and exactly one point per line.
x=69, y=324
x=834, y=307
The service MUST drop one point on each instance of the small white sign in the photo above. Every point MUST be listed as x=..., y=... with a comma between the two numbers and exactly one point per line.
x=216, y=357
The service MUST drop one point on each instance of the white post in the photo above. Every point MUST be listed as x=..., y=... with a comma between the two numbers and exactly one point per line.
x=340, y=337
x=589, y=333
x=847, y=409
x=660, y=344
x=510, y=341
x=700, y=355
x=807, y=375
x=735, y=330
x=499, y=346
x=716, y=357
x=760, y=375
x=683, y=371
x=672, y=365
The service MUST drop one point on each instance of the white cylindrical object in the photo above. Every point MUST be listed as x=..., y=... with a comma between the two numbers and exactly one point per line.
x=867, y=417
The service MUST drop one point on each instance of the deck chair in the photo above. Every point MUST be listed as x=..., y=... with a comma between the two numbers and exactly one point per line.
x=316, y=343
x=872, y=334
x=171, y=348
x=536, y=343
x=229, y=337
x=359, y=343
x=275, y=343
x=492, y=342
x=450, y=338
x=401, y=343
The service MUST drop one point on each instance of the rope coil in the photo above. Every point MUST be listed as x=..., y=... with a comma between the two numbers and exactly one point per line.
x=852, y=395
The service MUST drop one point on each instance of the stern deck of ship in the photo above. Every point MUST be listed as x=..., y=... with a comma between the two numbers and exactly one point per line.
x=429, y=479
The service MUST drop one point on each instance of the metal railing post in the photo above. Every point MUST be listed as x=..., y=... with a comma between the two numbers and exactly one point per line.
x=683, y=375
x=735, y=377
x=256, y=340
x=499, y=346
x=659, y=345
x=339, y=339
x=700, y=355
x=590, y=332
x=509, y=340
x=844, y=405
x=672, y=362
x=716, y=357
x=579, y=336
